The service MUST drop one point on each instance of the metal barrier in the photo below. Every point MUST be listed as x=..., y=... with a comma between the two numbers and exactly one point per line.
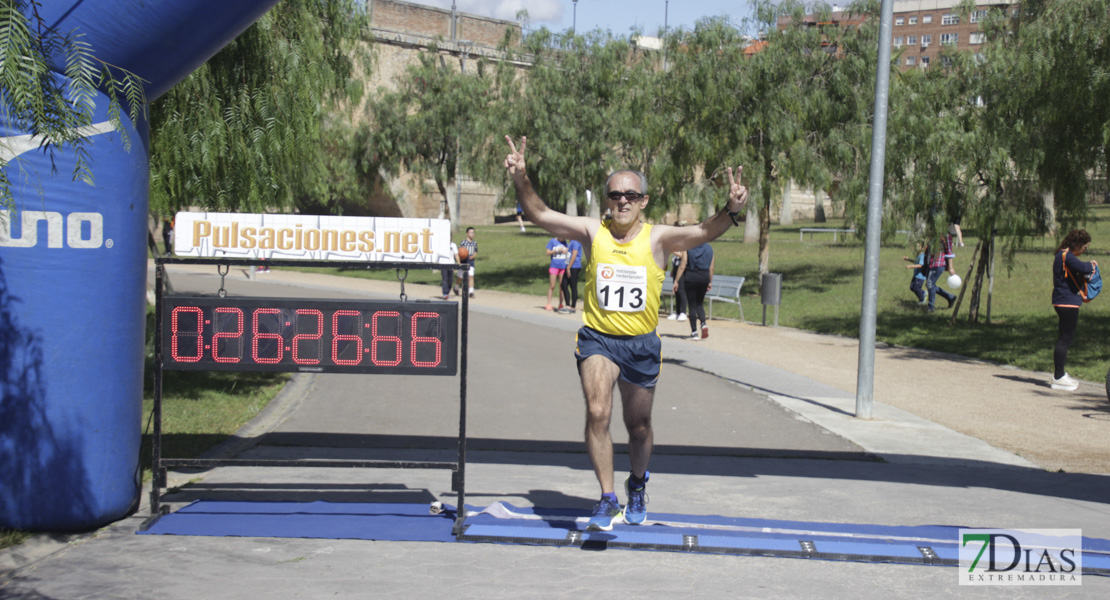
x=191, y=316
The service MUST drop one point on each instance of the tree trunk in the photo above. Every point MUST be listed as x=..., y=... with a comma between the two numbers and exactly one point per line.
x=977, y=288
x=963, y=289
x=786, y=215
x=751, y=223
x=572, y=206
x=980, y=275
x=765, y=220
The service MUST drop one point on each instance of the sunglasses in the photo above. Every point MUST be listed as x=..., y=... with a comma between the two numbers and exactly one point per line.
x=615, y=196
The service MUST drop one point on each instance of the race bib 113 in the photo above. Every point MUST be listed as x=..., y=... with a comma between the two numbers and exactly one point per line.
x=621, y=288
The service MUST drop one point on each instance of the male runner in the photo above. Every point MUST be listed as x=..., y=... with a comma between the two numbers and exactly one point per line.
x=618, y=344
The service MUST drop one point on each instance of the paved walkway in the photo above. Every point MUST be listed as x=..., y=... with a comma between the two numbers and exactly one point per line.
x=753, y=421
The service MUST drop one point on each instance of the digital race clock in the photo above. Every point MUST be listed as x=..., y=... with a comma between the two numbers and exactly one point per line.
x=320, y=336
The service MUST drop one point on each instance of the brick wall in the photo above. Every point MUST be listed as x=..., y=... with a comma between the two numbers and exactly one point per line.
x=432, y=22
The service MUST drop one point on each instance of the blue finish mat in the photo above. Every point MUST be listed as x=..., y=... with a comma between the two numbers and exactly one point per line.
x=503, y=523
x=325, y=520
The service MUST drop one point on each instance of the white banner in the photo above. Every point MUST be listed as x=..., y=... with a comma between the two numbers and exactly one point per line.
x=309, y=237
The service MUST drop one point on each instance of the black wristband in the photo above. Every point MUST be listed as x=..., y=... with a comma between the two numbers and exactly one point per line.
x=732, y=215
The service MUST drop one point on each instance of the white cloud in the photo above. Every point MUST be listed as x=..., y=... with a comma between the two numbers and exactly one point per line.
x=539, y=11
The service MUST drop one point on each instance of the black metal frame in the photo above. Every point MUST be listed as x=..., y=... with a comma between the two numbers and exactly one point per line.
x=160, y=464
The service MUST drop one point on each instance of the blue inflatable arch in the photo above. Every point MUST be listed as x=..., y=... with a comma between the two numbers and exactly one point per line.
x=73, y=275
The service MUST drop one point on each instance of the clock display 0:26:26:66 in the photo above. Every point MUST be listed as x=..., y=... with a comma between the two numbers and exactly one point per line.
x=321, y=336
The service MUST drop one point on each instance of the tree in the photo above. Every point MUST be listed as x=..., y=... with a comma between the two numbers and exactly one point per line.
x=1045, y=81
x=421, y=126
x=582, y=102
x=769, y=106
x=263, y=124
x=35, y=101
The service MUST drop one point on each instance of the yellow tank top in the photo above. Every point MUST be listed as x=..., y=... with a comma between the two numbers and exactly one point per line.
x=623, y=285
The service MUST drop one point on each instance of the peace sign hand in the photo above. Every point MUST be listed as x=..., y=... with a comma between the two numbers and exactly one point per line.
x=514, y=162
x=737, y=193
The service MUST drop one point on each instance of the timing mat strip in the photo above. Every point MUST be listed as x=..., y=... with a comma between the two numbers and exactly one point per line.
x=918, y=545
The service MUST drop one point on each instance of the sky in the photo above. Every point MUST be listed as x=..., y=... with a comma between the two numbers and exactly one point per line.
x=618, y=16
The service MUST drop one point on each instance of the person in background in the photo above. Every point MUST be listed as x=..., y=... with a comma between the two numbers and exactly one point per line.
x=471, y=247
x=167, y=234
x=570, y=278
x=696, y=274
x=939, y=262
x=1067, y=269
x=557, y=252
x=448, y=275
x=918, y=279
x=520, y=217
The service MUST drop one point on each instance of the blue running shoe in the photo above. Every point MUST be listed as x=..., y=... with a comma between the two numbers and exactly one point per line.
x=635, y=512
x=605, y=513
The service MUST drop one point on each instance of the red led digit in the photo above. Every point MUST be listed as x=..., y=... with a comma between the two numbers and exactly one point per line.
x=237, y=334
x=260, y=335
x=177, y=334
x=356, y=338
x=417, y=339
x=375, y=339
x=297, y=339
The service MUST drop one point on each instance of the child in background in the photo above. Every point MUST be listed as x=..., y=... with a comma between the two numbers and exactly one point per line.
x=918, y=279
x=557, y=251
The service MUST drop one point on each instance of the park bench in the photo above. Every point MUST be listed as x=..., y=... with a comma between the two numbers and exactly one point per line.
x=813, y=230
x=726, y=288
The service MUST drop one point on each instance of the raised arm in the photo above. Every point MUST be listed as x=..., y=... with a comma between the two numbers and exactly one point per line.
x=555, y=222
x=677, y=239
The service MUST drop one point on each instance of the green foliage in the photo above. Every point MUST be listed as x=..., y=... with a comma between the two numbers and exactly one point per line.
x=56, y=107
x=794, y=109
x=259, y=126
x=435, y=110
x=11, y=537
x=588, y=104
x=1046, y=83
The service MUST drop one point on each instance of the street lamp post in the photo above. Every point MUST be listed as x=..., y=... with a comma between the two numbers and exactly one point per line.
x=574, y=23
x=666, y=14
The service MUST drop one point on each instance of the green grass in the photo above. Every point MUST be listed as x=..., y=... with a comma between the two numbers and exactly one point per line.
x=10, y=537
x=823, y=286
x=201, y=408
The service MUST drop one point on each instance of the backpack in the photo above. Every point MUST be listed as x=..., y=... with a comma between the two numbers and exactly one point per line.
x=1089, y=286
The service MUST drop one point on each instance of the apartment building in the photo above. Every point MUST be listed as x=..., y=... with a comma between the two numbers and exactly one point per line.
x=922, y=28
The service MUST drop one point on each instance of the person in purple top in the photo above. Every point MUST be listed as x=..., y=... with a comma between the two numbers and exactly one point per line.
x=557, y=251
